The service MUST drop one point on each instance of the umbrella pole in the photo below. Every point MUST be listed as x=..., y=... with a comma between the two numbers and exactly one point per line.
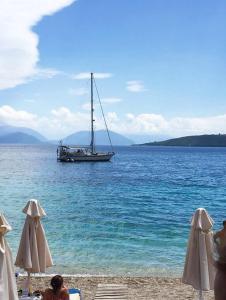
x=201, y=295
x=29, y=282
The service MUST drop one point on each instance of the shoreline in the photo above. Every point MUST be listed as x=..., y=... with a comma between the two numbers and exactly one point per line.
x=144, y=288
x=153, y=273
x=66, y=275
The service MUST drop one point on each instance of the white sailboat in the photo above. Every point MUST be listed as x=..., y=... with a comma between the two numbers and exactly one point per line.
x=66, y=153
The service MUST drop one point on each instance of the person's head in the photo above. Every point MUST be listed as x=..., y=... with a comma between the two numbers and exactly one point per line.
x=224, y=223
x=57, y=283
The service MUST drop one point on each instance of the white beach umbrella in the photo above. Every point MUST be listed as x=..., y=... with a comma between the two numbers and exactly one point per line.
x=8, y=289
x=199, y=271
x=33, y=254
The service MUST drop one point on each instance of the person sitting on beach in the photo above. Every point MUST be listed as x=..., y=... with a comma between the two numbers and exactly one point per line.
x=220, y=263
x=220, y=242
x=58, y=291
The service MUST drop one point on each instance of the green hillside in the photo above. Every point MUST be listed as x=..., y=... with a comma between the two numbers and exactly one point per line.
x=206, y=140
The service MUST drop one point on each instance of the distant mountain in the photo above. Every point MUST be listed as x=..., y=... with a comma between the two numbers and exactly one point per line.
x=101, y=138
x=206, y=140
x=7, y=129
x=19, y=138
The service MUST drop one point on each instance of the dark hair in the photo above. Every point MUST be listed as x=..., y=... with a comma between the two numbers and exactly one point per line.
x=57, y=283
x=224, y=222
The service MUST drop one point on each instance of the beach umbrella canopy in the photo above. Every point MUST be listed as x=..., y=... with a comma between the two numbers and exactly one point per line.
x=33, y=255
x=8, y=289
x=199, y=271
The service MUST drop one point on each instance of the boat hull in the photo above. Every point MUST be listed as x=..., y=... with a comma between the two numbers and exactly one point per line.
x=87, y=158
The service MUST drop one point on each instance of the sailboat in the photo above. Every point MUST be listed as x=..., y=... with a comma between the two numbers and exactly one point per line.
x=66, y=153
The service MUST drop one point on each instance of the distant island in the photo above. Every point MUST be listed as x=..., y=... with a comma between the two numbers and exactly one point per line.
x=205, y=140
x=20, y=135
x=6, y=131
x=19, y=138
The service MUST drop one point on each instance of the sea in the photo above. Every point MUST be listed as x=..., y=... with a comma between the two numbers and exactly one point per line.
x=127, y=217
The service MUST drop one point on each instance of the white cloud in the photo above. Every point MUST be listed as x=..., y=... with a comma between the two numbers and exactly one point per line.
x=112, y=117
x=86, y=75
x=135, y=86
x=69, y=117
x=58, y=123
x=46, y=73
x=145, y=123
x=14, y=117
x=18, y=43
x=178, y=126
x=62, y=121
x=111, y=100
x=78, y=92
x=86, y=106
x=66, y=122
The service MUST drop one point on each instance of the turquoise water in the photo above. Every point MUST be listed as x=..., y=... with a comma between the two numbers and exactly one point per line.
x=127, y=217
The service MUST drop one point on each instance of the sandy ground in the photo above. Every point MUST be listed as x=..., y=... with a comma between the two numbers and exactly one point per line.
x=139, y=288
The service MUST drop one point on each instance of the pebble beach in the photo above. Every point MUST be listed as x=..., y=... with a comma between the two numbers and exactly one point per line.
x=142, y=288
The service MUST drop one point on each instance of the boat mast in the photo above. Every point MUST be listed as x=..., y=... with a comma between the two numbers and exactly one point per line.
x=92, y=120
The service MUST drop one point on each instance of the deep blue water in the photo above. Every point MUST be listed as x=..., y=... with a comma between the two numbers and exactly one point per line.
x=127, y=217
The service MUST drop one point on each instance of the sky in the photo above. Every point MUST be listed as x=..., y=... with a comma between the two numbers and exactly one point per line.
x=160, y=65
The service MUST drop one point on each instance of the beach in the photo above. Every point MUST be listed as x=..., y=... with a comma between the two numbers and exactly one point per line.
x=142, y=288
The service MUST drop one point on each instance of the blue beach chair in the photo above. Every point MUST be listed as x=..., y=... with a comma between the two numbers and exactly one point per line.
x=74, y=294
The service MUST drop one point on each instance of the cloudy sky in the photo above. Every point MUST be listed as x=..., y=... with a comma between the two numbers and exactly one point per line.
x=160, y=65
